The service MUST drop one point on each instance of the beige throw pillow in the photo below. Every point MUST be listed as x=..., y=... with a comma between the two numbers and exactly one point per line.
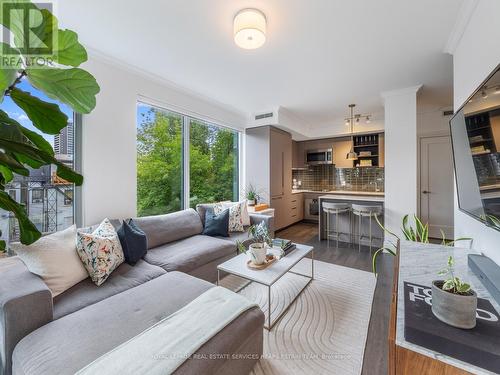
x=54, y=259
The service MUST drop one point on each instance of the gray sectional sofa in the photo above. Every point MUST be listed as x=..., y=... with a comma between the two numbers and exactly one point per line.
x=44, y=335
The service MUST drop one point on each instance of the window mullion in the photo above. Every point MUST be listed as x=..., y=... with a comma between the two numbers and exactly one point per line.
x=185, y=160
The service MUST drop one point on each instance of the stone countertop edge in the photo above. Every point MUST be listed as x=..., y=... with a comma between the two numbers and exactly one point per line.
x=419, y=263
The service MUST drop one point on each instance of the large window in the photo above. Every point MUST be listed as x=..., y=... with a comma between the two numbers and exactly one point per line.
x=166, y=182
x=47, y=198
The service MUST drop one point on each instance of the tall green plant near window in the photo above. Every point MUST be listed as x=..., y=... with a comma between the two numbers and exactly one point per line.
x=60, y=78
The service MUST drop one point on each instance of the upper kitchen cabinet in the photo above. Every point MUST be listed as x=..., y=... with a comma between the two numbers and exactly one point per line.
x=381, y=150
x=298, y=155
x=341, y=147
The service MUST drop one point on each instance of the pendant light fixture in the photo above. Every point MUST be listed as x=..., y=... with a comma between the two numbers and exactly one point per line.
x=351, y=155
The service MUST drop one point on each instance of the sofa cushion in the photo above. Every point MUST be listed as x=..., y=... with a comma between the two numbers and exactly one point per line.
x=66, y=345
x=190, y=253
x=87, y=293
x=162, y=229
x=134, y=241
x=216, y=224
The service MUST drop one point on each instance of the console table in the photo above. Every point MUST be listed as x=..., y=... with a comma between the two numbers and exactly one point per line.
x=419, y=263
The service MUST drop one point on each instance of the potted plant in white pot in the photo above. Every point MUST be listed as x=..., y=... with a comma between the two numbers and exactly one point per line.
x=257, y=250
x=453, y=301
x=252, y=195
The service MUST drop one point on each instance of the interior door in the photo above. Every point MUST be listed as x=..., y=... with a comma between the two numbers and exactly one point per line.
x=436, y=185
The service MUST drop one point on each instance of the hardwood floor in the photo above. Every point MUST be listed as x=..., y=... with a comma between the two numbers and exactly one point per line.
x=376, y=350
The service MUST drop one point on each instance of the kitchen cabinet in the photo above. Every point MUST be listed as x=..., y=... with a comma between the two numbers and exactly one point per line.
x=281, y=162
x=269, y=169
x=296, y=207
x=381, y=150
x=298, y=155
x=340, y=149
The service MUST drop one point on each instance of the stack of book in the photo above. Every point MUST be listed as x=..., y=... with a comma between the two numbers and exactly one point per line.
x=286, y=245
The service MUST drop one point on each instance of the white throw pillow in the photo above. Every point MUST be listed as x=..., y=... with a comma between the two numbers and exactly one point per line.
x=100, y=251
x=54, y=259
x=245, y=217
x=235, y=215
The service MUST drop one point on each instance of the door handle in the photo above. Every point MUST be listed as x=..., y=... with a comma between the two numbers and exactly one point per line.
x=426, y=192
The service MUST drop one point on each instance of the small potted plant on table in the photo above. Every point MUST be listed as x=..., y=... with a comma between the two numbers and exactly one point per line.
x=453, y=301
x=258, y=248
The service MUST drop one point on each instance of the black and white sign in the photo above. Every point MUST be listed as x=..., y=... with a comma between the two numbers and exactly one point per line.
x=479, y=346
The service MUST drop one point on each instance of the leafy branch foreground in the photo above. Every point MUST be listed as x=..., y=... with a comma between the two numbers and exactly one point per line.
x=21, y=148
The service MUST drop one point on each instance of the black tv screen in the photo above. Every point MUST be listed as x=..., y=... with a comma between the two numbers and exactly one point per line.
x=475, y=133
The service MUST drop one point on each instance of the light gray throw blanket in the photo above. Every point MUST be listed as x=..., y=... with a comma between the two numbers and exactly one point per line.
x=162, y=348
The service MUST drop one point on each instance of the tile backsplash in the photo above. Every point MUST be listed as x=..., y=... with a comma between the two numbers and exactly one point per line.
x=327, y=177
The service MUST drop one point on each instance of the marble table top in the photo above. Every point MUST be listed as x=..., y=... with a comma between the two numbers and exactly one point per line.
x=348, y=197
x=420, y=263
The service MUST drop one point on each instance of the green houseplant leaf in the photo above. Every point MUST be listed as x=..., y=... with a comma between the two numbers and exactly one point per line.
x=74, y=86
x=45, y=116
x=29, y=233
x=69, y=51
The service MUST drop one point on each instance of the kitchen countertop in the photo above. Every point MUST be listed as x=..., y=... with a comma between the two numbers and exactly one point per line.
x=354, y=197
x=420, y=264
x=342, y=192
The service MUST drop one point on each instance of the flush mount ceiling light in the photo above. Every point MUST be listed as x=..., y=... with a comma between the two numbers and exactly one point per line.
x=250, y=28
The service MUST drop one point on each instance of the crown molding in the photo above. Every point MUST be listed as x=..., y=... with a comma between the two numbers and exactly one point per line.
x=464, y=15
x=134, y=69
x=398, y=92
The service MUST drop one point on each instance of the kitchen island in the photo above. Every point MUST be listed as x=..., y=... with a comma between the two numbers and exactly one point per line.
x=344, y=220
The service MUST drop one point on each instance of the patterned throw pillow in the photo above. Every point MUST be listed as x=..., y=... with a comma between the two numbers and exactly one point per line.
x=235, y=215
x=100, y=251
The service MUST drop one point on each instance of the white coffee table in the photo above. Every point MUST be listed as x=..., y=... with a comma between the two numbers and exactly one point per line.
x=267, y=277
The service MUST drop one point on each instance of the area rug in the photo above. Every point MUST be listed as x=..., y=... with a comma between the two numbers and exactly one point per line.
x=325, y=329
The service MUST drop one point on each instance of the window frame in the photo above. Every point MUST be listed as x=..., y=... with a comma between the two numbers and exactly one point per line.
x=187, y=116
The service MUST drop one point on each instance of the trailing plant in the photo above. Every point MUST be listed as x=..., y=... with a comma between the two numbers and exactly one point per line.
x=419, y=233
x=58, y=76
x=452, y=283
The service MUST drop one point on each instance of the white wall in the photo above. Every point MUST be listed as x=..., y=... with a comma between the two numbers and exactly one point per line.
x=476, y=55
x=109, y=134
x=400, y=155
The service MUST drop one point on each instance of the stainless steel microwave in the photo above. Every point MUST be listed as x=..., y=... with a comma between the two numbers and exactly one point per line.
x=316, y=157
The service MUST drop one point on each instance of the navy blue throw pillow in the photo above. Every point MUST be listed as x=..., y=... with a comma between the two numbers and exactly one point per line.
x=133, y=240
x=216, y=225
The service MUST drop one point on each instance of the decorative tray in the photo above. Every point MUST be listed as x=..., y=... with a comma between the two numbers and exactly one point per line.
x=270, y=259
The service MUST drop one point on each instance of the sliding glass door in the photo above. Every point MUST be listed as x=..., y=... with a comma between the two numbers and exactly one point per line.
x=166, y=181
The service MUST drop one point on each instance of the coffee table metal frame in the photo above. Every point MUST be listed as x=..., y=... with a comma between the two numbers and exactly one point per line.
x=271, y=324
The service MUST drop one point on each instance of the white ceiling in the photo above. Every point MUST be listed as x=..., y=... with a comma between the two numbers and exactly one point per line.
x=320, y=55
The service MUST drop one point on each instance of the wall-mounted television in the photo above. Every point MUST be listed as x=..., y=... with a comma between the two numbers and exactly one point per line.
x=475, y=134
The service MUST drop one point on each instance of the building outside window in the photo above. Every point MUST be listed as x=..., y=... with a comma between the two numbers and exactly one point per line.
x=37, y=195
x=165, y=182
x=47, y=198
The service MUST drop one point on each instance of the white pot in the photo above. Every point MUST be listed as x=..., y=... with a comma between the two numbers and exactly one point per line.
x=251, y=202
x=258, y=253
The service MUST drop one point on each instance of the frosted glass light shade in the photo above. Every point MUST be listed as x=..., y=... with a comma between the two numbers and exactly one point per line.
x=250, y=28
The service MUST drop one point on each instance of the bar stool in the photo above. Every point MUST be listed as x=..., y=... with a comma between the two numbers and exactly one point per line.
x=336, y=209
x=369, y=212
